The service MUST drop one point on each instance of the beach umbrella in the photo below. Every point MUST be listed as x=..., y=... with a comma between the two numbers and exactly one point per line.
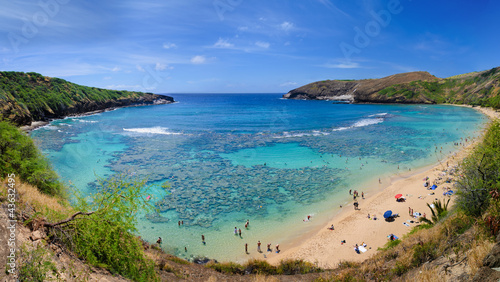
x=399, y=196
x=387, y=214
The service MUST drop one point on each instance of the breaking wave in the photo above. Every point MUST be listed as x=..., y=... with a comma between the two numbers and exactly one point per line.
x=152, y=130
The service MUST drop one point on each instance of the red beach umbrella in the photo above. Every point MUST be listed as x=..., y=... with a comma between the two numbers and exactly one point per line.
x=399, y=196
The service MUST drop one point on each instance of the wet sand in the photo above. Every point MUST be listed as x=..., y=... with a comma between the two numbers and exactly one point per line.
x=324, y=247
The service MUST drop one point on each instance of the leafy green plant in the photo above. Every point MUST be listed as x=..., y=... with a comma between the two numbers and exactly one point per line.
x=21, y=157
x=102, y=231
x=439, y=211
x=480, y=173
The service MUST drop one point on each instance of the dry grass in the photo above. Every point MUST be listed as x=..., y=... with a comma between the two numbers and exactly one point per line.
x=53, y=208
x=477, y=253
x=264, y=278
x=427, y=275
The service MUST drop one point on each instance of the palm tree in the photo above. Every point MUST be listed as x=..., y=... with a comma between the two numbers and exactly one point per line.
x=438, y=212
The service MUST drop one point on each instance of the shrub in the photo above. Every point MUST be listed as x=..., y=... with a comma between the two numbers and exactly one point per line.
x=102, y=232
x=21, y=157
x=480, y=173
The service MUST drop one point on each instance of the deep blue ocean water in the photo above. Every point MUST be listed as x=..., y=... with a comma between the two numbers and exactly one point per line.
x=233, y=157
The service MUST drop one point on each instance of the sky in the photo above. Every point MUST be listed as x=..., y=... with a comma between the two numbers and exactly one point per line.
x=244, y=46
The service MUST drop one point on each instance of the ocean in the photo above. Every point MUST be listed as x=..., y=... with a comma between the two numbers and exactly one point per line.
x=229, y=158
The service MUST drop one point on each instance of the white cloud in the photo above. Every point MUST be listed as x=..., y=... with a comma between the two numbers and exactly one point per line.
x=286, y=26
x=125, y=87
x=223, y=43
x=139, y=68
x=116, y=69
x=288, y=84
x=344, y=65
x=107, y=77
x=198, y=60
x=169, y=45
x=243, y=28
x=160, y=66
x=262, y=44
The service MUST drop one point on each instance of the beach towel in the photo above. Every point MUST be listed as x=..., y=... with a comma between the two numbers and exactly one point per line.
x=404, y=223
x=362, y=249
x=434, y=187
x=395, y=237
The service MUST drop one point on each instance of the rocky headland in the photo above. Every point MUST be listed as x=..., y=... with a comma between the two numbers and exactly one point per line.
x=29, y=97
x=477, y=88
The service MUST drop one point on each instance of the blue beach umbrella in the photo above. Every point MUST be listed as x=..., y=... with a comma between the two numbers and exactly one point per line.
x=387, y=214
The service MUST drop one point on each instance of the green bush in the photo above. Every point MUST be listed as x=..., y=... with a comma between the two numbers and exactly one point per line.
x=21, y=157
x=424, y=252
x=480, y=173
x=102, y=233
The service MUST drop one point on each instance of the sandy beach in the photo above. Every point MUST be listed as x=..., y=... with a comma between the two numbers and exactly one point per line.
x=325, y=248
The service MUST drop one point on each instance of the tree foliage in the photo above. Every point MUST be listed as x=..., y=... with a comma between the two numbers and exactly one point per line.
x=438, y=209
x=42, y=96
x=480, y=173
x=21, y=157
x=102, y=231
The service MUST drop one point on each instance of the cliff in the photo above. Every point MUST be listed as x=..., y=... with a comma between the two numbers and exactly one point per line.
x=478, y=88
x=27, y=97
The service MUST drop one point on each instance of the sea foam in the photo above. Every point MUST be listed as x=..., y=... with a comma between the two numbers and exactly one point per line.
x=152, y=130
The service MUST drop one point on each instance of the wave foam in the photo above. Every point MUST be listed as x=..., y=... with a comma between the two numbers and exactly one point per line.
x=359, y=123
x=368, y=121
x=379, y=115
x=152, y=130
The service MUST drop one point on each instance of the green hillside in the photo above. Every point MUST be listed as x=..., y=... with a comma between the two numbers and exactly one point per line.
x=27, y=97
x=475, y=88
x=481, y=89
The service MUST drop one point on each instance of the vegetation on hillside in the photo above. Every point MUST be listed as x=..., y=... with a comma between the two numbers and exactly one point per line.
x=20, y=156
x=102, y=229
x=36, y=97
x=99, y=229
x=481, y=89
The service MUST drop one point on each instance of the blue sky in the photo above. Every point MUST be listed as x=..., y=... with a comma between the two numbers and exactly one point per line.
x=219, y=46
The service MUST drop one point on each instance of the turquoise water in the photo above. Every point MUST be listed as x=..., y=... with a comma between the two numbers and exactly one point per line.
x=234, y=157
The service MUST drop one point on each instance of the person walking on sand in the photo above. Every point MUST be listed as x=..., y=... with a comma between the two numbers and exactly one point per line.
x=362, y=195
x=277, y=248
x=246, y=248
x=239, y=232
x=258, y=247
x=269, y=248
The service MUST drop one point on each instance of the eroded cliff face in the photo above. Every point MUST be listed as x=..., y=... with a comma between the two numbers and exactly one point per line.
x=358, y=91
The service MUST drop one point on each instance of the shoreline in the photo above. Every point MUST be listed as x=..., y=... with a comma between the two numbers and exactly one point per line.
x=324, y=247
x=37, y=124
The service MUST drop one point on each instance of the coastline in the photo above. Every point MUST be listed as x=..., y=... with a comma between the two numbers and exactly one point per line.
x=324, y=248
x=37, y=124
